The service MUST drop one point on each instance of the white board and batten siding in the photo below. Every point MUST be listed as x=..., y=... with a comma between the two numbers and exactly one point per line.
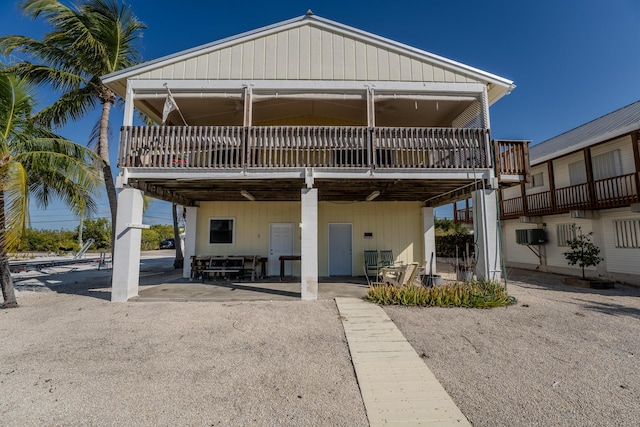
x=619, y=260
x=306, y=52
x=394, y=225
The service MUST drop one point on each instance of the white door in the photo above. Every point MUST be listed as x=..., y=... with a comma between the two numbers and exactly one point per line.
x=280, y=243
x=340, y=256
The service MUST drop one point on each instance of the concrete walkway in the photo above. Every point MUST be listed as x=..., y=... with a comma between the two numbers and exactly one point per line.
x=397, y=387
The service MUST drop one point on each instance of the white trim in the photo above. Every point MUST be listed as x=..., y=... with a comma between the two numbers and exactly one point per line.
x=462, y=174
x=233, y=231
x=140, y=86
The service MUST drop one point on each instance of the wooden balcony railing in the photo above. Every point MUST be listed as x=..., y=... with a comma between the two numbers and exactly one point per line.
x=264, y=147
x=512, y=158
x=463, y=216
x=601, y=194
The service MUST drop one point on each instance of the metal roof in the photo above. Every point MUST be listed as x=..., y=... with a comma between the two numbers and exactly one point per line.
x=611, y=125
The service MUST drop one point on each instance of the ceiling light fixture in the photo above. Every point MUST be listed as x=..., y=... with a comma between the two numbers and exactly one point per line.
x=247, y=195
x=372, y=196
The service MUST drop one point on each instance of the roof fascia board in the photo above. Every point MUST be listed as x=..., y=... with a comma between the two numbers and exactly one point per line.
x=315, y=85
x=295, y=22
x=588, y=143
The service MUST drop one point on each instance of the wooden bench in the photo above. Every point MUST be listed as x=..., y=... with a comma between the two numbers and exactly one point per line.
x=224, y=267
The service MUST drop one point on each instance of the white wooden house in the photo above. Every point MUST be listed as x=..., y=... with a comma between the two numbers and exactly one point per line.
x=587, y=177
x=309, y=138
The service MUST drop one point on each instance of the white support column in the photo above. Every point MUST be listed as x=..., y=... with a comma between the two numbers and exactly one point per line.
x=429, y=236
x=190, y=230
x=248, y=106
x=126, y=253
x=309, y=244
x=485, y=225
x=128, y=106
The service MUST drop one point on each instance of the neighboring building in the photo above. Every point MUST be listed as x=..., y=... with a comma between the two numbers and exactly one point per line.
x=588, y=178
x=310, y=138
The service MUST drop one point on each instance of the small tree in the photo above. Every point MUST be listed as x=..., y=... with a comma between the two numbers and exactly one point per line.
x=583, y=251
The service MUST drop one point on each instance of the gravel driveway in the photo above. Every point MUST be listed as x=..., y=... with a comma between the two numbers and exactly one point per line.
x=562, y=356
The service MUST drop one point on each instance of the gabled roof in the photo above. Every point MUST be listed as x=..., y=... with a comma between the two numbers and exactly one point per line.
x=616, y=123
x=342, y=48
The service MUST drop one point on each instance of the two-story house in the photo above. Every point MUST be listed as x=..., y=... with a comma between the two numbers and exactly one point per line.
x=582, y=181
x=307, y=138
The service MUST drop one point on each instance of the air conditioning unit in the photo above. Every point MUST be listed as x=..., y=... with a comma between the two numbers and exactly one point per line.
x=532, y=236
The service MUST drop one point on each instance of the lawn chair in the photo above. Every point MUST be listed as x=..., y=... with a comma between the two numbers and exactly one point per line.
x=371, y=266
x=386, y=258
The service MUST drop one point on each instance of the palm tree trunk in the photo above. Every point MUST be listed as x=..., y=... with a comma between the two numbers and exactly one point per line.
x=179, y=261
x=8, y=293
x=103, y=152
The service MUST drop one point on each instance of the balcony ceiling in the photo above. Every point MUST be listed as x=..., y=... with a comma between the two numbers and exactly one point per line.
x=314, y=112
x=189, y=192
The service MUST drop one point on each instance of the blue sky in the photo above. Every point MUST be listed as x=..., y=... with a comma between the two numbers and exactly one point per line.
x=572, y=60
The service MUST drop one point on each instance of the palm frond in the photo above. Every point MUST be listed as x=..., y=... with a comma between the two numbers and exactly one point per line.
x=72, y=105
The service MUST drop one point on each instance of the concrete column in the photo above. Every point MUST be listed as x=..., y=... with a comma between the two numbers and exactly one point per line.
x=487, y=235
x=126, y=252
x=309, y=244
x=190, y=234
x=429, y=238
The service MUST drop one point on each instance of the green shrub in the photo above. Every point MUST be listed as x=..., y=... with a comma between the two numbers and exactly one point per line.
x=446, y=244
x=478, y=294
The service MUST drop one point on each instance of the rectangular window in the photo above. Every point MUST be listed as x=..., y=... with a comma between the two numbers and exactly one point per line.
x=627, y=233
x=606, y=165
x=577, y=173
x=221, y=231
x=564, y=233
x=536, y=180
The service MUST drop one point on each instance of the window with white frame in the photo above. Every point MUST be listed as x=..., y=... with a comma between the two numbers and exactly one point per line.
x=221, y=231
x=606, y=165
x=627, y=233
x=536, y=180
x=565, y=233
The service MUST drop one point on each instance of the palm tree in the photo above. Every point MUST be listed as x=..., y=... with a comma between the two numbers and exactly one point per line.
x=34, y=164
x=87, y=41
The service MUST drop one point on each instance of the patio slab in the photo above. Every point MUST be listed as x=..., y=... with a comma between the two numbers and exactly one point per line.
x=175, y=288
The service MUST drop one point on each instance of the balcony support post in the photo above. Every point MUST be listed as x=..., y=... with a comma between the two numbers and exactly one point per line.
x=126, y=251
x=309, y=244
x=525, y=201
x=485, y=226
x=371, y=124
x=591, y=193
x=636, y=158
x=191, y=234
x=552, y=185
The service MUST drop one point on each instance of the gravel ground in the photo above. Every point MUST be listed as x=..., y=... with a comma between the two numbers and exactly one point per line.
x=70, y=359
x=563, y=356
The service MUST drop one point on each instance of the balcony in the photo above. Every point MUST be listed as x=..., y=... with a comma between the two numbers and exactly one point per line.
x=606, y=193
x=189, y=164
x=282, y=147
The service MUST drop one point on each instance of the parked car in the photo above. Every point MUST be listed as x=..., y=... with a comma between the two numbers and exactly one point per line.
x=168, y=244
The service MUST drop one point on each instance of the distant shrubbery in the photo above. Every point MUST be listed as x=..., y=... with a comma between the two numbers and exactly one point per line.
x=60, y=241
